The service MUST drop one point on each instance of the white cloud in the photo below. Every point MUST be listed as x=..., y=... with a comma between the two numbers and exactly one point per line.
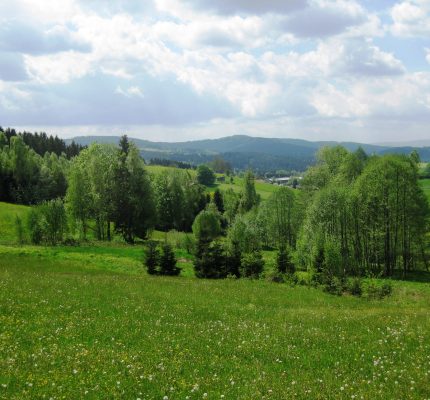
x=132, y=91
x=58, y=68
x=411, y=18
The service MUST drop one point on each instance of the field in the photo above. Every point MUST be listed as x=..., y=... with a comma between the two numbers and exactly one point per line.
x=263, y=189
x=425, y=184
x=88, y=322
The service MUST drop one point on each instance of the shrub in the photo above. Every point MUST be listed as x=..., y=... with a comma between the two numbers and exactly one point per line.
x=210, y=261
x=205, y=176
x=151, y=257
x=252, y=264
x=334, y=286
x=34, y=224
x=376, y=291
x=168, y=261
x=283, y=261
x=19, y=229
x=355, y=287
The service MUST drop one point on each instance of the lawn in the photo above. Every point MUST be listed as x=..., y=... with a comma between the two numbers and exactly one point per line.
x=88, y=323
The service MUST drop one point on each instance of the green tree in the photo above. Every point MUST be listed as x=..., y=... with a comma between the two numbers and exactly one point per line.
x=133, y=206
x=152, y=257
x=205, y=176
x=168, y=261
x=252, y=265
x=249, y=195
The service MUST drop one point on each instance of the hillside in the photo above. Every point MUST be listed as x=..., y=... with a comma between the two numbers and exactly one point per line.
x=260, y=154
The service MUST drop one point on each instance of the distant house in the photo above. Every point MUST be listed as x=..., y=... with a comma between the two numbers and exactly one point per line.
x=221, y=179
x=281, y=181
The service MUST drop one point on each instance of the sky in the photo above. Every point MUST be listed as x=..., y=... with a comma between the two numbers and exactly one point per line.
x=175, y=70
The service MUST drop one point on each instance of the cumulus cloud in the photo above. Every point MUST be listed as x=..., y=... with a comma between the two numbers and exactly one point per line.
x=325, y=18
x=228, y=7
x=285, y=66
x=411, y=18
x=19, y=37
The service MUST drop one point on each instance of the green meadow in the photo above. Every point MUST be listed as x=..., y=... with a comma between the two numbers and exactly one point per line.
x=425, y=184
x=88, y=322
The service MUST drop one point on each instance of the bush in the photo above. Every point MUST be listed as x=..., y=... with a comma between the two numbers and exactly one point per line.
x=334, y=286
x=355, y=287
x=374, y=290
x=205, y=176
x=168, y=261
x=210, y=261
x=188, y=243
x=19, y=228
x=252, y=265
x=151, y=257
x=283, y=261
x=34, y=224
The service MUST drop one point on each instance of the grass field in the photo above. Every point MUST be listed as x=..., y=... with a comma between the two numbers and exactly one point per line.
x=263, y=189
x=425, y=184
x=94, y=325
x=88, y=322
x=8, y=214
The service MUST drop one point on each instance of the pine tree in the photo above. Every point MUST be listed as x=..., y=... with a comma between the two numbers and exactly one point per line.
x=151, y=257
x=168, y=261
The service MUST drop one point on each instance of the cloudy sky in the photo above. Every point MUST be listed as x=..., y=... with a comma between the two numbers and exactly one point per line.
x=186, y=69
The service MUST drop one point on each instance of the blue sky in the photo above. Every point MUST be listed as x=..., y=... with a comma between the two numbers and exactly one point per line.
x=178, y=70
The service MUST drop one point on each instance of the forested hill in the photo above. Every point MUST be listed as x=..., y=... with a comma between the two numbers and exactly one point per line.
x=260, y=154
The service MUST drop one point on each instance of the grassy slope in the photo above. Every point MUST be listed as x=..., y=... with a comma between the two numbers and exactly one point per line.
x=8, y=214
x=425, y=184
x=263, y=189
x=71, y=326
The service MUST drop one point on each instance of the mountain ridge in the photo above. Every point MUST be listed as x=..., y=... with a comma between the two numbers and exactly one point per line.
x=258, y=150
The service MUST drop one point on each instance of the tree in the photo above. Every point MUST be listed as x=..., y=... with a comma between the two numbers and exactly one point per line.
x=133, y=207
x=218, y=201
x=205, y=176
x=207, y=225
x=283, y=261
x=249, y=195
x=211, y=262
x=151, y=259
x=252, y=265
x=168, y=261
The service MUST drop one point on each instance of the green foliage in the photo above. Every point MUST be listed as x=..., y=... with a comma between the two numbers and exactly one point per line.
x=244, y=233
x=210, y=261
x=168, y=261
x=152, y=256
x=35, y=226
x=218, y=201
x=249, y=197
x=19, y=229
x=375, y=290
x=355, y=286
x=284, y=263
x=252, y=265
x=205, y=176
x=207, y=225
x=133, y=206
x=47, y=222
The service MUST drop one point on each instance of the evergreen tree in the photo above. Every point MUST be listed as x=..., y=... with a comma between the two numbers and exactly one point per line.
x=252, y=264
x=168, y=261
x=152, y=256
x=218, y=200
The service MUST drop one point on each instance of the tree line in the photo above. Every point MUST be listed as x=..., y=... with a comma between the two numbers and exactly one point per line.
x=355, y=215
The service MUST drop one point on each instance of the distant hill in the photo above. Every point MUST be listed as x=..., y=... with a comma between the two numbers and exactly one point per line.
x=260, y=154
